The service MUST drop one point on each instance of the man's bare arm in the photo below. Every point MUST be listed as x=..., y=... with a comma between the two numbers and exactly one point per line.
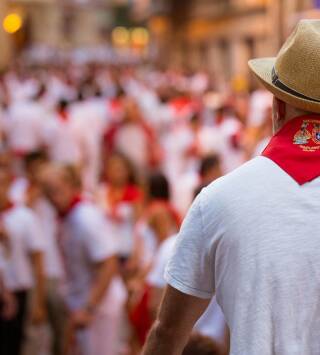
x=39, y=301
x=177, y=316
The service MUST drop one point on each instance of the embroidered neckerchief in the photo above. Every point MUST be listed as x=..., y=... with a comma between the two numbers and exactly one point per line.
x=296, y=148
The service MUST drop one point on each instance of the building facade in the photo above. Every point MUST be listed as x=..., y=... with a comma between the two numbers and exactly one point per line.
x=6, y=50
x=217, y=35
x=222, y=35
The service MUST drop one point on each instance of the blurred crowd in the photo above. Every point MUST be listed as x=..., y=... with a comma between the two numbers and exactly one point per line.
x=98, y=166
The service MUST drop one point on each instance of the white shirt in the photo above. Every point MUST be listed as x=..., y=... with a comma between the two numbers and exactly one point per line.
x=156, y=275
x=212, y=322
x=137, y=152
x=63, y=143
x=219, y=140
x=175, y=143
x=25, y=238
x=251, y=237
x=23, y=126
x=89, y=116
x=260, y=102
x=145, y=237
x=47, y=219
x=121, y=227
x=86, y=240
x=49, y=227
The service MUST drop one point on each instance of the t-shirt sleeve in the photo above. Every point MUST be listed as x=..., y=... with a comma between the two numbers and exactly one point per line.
x=33, y=233
x=191, y=266
x=99, y=239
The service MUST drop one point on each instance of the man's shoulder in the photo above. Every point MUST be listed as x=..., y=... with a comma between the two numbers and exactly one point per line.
x=254, y=169
x=22, y=212
x=86, y=211
x=247, y=180
x=21, y=218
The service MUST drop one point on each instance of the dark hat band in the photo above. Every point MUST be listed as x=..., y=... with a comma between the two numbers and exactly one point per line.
x=279, y=84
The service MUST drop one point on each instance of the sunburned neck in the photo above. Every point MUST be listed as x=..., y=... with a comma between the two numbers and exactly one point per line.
x=290, y=114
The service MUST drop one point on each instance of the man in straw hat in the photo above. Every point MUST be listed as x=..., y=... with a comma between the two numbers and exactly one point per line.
x=251, y=236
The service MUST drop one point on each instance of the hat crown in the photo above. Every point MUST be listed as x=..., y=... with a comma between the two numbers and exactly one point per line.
x=298, y=62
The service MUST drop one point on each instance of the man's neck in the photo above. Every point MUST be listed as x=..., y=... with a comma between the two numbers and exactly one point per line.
x=281, y=122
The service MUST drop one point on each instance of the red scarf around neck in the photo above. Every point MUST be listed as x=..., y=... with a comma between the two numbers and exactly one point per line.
x=296, y=148
x=73, y=204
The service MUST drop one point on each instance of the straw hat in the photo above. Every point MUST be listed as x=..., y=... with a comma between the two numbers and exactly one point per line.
x=294, y=75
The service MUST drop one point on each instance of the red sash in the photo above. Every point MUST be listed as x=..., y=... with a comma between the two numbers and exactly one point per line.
x=296, y=148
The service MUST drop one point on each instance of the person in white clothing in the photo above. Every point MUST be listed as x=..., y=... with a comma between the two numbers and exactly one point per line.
x=88, y=119
x=250, y=237
x=212, y=322
x=62, y=143
x=21, y=246
x=95, y=295
x=28, y=191
x=23, y=125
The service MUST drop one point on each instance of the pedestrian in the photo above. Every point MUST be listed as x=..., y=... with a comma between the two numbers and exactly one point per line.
x=250, y=236
x=94, y=295
x=22, y=249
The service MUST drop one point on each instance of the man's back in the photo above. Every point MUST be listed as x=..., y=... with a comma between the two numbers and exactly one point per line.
x=254, y=242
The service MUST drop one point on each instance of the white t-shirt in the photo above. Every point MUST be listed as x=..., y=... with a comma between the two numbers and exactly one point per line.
x=175, y=142
x=131, y=140
x=49, y=227
x=260, y=102
x=86, y=240
x=251, y=238
x=24, y=125
x=89, y=116
x=145, y=237
x=121, y=227
x=156, y=275
x=212, y=322
x=63, y=143
x=219, y=140
x=47, y=219
x=25, y=238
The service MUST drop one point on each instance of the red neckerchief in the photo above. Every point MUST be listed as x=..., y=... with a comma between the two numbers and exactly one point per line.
x=63, y=115
x=131, y=195
x=74, y=203
x=296, y=148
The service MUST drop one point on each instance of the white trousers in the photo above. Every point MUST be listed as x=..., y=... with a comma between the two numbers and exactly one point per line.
x=102, y=337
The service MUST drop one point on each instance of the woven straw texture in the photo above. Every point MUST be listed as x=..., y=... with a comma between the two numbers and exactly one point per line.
x=297, y=66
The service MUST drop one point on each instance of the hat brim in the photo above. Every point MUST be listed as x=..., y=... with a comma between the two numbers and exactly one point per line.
x=262, y=68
